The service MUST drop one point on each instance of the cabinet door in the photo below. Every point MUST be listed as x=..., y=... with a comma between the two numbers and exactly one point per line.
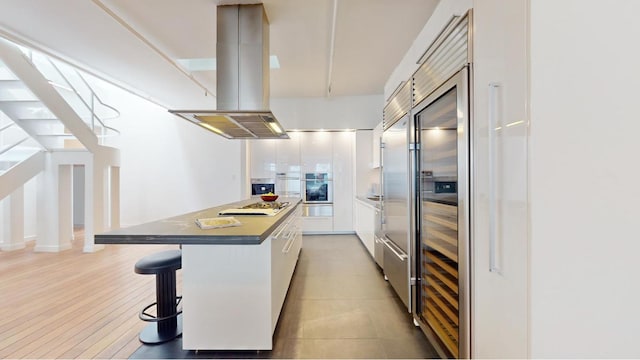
x=365, y=223
x=263, y=158
x=343, y=153
x=499, y=320
x=316, y=152
x=288, y=154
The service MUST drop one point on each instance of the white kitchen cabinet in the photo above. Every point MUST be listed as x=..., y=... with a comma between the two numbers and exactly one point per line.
x=233, y=294
x=316, y=151
x=286, y=243
x=317, y=224
x=365, y=216
x=343, y=155
x=377, y=136
x=499, y=321
x=288, y=154
x=262, y=158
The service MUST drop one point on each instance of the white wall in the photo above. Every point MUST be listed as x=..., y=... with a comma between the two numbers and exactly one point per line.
x=584, y=175
x=439, y=19
x=170, y=166
x=343, y=112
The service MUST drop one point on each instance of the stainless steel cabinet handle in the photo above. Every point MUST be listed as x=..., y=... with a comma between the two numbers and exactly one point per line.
x=288, y=245
x=495, y=128
x=400, y=256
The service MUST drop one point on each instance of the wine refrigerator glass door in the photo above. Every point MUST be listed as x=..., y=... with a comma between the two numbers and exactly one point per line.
x=442, y=245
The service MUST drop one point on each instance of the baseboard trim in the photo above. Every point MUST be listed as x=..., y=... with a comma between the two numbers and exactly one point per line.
x=12, y=247
x=52, y=248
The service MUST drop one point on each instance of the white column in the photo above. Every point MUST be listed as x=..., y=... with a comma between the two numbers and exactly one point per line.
x=12, y=234
x=47, y=207
x=91, y=201
x=115, y=197
x=65, y=206
x=54, y=212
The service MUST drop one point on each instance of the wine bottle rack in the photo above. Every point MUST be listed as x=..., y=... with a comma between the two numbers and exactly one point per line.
x=440, y=302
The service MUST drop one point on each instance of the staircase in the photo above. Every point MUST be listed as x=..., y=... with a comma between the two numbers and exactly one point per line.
x=50, y=120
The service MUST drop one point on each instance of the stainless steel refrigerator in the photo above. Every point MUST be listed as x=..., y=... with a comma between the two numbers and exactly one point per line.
x=440, y=169
x=395, y=207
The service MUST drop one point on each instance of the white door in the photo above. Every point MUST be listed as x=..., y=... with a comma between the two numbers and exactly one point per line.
x=343, y=154
x=500, y=237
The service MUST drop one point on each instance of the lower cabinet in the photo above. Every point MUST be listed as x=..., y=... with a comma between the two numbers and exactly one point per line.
x=233, y=294
x=317, y=224
x=285, y=248
x=365, y=216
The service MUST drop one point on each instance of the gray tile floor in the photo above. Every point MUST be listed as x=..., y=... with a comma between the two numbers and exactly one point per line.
x=338, y=306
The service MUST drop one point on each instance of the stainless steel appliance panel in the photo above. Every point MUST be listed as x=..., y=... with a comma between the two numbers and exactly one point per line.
x=395, y=176
x=378, y=246
x=395, y=207
x=396, y=263
x=313, y=210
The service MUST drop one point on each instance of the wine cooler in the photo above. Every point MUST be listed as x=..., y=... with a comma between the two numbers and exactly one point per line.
x=441, y=182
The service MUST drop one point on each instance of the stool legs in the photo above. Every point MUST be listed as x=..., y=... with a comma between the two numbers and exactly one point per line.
x=166, y=299
x=170, y=328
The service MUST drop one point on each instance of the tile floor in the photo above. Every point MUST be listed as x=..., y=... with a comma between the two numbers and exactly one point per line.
x=338, y=306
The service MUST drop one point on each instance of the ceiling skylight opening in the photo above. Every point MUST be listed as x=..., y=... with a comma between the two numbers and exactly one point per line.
x=209, y=64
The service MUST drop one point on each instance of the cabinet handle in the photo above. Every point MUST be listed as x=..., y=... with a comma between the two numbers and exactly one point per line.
x=495, y=128
x=288, y=245
x=400, y=256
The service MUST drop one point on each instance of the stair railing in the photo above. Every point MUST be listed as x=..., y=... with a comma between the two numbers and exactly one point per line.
x=91, y=107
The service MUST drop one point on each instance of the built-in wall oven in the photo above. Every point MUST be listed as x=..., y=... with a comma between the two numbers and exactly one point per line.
x=318, y=188
x=318, y=194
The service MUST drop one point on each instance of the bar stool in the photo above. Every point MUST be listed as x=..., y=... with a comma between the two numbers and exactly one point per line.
x=167, y=325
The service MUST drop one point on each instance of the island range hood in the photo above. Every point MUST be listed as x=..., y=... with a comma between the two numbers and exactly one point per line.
x=242, y=78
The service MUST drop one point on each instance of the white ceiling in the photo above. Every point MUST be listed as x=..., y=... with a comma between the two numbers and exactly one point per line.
x=136, y=42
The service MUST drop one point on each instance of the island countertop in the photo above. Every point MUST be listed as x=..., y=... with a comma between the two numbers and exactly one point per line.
x=182, y=229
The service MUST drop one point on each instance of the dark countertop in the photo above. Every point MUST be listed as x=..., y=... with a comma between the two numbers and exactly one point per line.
x=182, y=229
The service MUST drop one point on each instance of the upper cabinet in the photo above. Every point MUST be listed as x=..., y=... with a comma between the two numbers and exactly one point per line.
x=288, y=154
x=263, y=158
x=377, y=135
x=316, y=152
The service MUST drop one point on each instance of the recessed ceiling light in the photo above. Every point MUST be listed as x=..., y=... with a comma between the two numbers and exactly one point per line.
x=209, y=64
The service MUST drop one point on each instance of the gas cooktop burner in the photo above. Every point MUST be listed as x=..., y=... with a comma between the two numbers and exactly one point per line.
x=267, y=205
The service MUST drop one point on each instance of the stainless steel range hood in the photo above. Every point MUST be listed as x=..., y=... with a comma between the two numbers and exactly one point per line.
x=242, y=78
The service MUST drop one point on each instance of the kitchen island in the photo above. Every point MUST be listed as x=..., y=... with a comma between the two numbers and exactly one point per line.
x=234, y=279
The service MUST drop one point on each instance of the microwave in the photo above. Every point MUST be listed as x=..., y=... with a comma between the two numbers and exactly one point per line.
x=260, y=187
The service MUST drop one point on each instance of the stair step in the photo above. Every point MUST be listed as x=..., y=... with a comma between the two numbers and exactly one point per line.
x=25, y=109
x=14, y=90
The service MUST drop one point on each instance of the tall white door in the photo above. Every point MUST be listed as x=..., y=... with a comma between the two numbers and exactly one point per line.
x=343, y=154
x=499, y=217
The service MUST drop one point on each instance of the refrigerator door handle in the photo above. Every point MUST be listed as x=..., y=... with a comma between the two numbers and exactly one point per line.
x=495, y=128
x=389, y=244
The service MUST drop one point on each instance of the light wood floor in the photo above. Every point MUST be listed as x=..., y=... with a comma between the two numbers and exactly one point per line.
x=71, y=304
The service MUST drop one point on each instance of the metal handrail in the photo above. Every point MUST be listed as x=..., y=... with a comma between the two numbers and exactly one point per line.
x=91, y=107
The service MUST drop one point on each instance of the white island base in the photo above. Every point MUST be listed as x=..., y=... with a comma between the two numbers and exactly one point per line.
x=233, y=294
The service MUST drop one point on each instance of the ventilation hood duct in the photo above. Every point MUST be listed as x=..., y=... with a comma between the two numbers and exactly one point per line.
x=242, y=77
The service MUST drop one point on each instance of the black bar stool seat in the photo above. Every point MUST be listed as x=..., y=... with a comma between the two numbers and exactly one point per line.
x=167, y=324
